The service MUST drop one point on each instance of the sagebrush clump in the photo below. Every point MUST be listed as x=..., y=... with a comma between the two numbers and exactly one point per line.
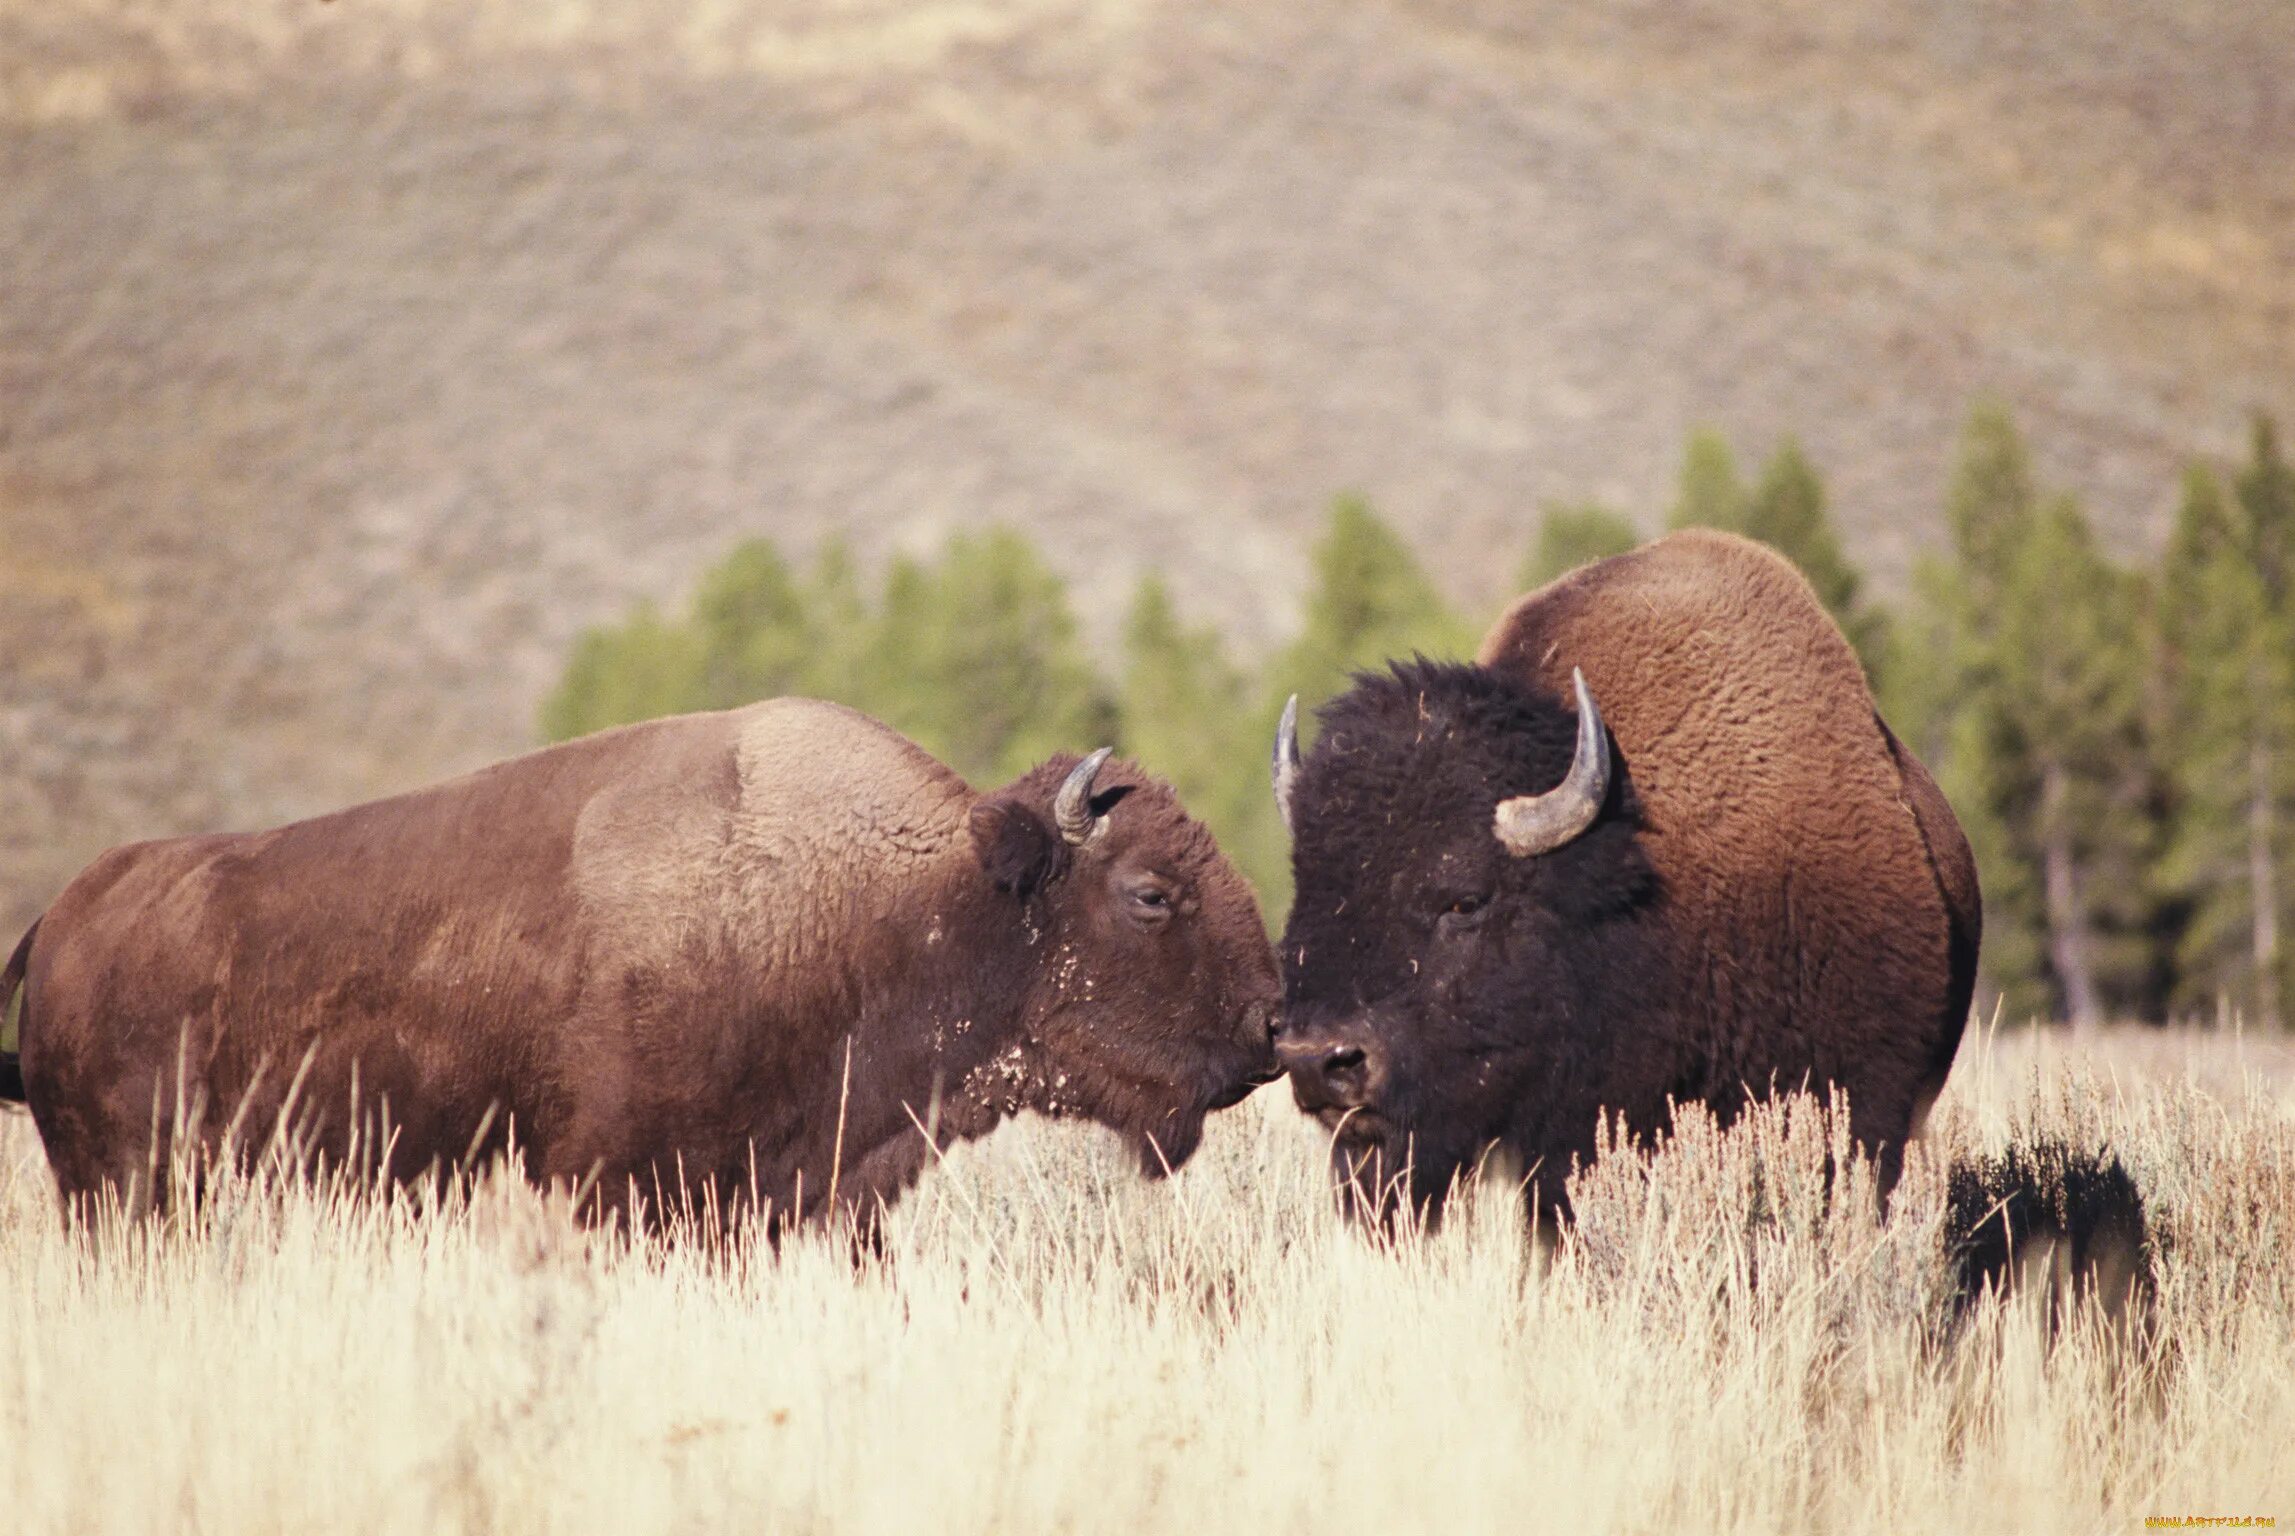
x=1048, y=1343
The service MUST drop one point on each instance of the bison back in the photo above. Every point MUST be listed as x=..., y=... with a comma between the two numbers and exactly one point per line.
x=1818, y=894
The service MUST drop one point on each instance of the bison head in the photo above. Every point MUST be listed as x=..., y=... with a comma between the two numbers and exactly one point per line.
x=1466, y=871
x=1154, y=991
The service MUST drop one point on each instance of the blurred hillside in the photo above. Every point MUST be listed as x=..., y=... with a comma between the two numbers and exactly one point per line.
x=354, y=358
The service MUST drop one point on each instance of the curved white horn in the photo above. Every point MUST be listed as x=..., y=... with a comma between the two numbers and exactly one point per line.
x=1283, y=764
x=1072, y=806
x=1535, y=824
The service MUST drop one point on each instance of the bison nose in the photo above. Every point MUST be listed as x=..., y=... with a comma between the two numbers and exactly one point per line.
x=1345, y=1072
x=1258, y=1043
x=1327, y=1073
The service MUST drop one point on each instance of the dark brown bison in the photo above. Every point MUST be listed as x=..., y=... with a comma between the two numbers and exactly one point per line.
x=1511, y=920
x=760, y=952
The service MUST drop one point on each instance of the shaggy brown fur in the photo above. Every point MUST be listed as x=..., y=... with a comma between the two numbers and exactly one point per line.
x=760, y=951
x=2056, y=1221
x=1774, y=893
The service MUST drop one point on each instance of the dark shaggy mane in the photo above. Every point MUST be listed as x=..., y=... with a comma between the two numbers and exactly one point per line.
x=1445, y=692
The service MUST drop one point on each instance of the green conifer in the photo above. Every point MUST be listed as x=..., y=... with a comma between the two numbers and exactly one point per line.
x=2066, y=773
x=2023, y=661
x=1711, y=493
x=1371, y=602
x=1188, y=716
x=2266, y=491
x=1786, y=511
x=1571, y=536
x=2230, y=680
x=979, y=660
x=975, y=656
x=620, y=673
x=839, y=630
x=1990, y=507
x=750, y=621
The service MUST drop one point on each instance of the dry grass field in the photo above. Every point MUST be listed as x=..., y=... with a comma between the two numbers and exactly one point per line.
x=1051, y=1344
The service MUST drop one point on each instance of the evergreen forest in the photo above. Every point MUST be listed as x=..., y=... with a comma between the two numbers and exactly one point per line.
x=2118, y=739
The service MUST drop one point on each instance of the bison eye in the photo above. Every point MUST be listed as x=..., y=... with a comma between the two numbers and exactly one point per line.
x=1464, y=911
x=1150, y=904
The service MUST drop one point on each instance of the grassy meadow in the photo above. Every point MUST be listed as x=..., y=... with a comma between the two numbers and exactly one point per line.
x=1051, y=1343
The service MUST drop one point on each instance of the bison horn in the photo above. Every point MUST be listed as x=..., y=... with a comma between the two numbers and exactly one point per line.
x=1533, y=824
x=1072, y=806
x=1283, y=765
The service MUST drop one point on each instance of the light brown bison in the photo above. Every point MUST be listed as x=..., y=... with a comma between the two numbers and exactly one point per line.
x=765, y=951
x=1511, y=920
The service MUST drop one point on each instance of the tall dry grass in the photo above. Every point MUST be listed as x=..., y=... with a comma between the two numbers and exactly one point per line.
x=1052, y=1344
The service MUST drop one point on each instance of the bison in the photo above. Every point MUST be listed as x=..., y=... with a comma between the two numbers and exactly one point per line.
x=1519, y=910
x=768, y=953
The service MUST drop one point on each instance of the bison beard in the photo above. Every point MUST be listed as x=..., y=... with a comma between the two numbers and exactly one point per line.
x=1516, y=912
x=769, y=953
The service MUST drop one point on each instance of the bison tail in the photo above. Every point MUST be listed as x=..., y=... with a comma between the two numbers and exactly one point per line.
x=2054, y=1219
x=11, y=984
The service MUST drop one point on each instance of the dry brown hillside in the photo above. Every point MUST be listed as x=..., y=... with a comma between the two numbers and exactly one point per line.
x=353, y=356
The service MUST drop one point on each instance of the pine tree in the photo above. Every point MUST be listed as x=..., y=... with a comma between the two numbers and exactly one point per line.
x=2067, y=773
x=1188, y=715
x=1952, y=699
x=884, y=676
x=2226, y=662
x=1919, y=687
x=1787, y=512
x=2020, y=678
x=1571, y=536
x=838, y=627
x=1371, y=602
x=749, y=634
x=978, y=659
x=976, y=656
x=2266, y=491
x=750, y=621
x=1711, y=494
x=619, y=673
x=1181, y=695
x=1991, y=505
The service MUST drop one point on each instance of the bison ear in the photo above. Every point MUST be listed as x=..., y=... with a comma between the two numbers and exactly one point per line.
x=1018, y=849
